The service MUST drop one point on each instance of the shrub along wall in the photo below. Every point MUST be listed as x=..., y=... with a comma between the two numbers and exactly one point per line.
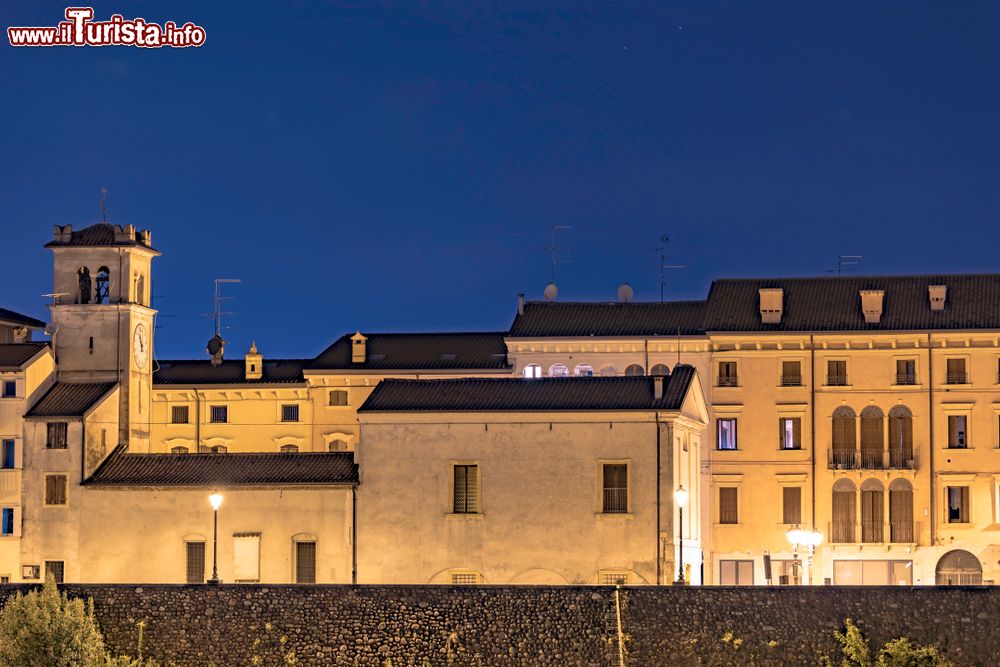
x=439, y=625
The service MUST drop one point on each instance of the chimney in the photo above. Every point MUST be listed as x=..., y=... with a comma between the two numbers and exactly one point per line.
x=124, y=234
x=658, y=387
x=254, y=363
x=359, y=352
x=145, y=237
x=871, y=305
x=520, y=304
x=772, y=301
x=938, y=294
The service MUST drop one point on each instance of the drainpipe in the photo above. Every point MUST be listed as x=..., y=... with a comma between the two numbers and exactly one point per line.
x=645, y=354
x=197, y=420
x=930, y=426
x=659, y=542
x=812, y=424
x=354, y=534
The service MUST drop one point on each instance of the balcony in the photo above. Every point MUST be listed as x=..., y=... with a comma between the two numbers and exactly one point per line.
x=956, y=378
x=791, y=380
x=894, y=531
x=729, y=381
x=906, y=378
x=836, y=380
x=872, y=459
x=615, y=501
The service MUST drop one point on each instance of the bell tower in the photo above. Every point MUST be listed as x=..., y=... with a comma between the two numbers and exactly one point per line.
x=102, y=319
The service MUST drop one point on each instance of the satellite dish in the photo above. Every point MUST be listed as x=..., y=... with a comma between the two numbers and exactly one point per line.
x=214, y=346
x=625, y=293
x=551, y=292
x=51, y=329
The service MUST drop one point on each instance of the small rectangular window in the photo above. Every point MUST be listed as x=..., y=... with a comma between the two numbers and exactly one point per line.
x=179, y=414
x=9, y=389
x=56, y=569
x=615, y=488
x=728, y=509
x=790, y=433
x=956, y=432
x=956, y=372
x=195, y=562
x=727, y=374
x=289, y=413
x=791, y=504
x=8, y=455
x=55, y=435
x=727, y=433
x=906, y=371
x=466, y=489
x=55, y=489
x=836, y=372
x=791, y=374
x=958, y=504
x=338, y=397
x=7, y=521
x=736, y=572
x=614, y=578
x=464, y=578
x=305, y=562
x=220, y=414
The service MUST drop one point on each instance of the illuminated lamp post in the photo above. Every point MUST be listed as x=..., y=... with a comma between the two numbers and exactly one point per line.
x=216, y=500
x=680, y=498
x=809, y=538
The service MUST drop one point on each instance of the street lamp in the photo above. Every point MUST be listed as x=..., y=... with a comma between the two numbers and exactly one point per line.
x=216, y=500
x=680, y=498
x=809, y=538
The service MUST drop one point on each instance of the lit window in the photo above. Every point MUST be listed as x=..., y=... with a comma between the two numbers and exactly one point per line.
x=532, y=371
x=790, y=432
x=958, y=504
x=558, y=371
x=727, y=433
x=584, y=370
x=957, y=432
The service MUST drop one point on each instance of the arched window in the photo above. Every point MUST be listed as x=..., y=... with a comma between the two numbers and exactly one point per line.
x=843, y=454
x=179, y=450
x=608, y=371
x=339, y=446
x=83, y=281
x=844, y=511
x=289, y=449
x=102, y=286
x=872, y=512
x=532, y=371
x=872, y=438
x=659, y=369
x=583, y=370
x=901, y=437
x=959, y=568
x=558, y=371
x=900, y=511
x=634, y=369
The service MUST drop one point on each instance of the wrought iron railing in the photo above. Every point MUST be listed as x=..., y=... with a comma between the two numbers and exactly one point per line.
x=895, y=458
x=728, y=381
x=615, y=501
x=791, y=380
x=957, y=378
x=836, y=380
x=894, y=531
x=906, y=378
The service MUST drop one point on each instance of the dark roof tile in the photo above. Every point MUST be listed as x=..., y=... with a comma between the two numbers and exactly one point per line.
x=201, y=371
x=101, y=234
x=70, y=400
x=14, y=355
x=574, y=319
x=418, y=351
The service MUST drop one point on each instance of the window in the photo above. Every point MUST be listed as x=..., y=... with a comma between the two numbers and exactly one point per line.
x=179, y=414
x=532, y=371
x=289, y=449
x=464, y=578
x=844, y=511
x=338, y=397
x=956, y=372
x=466, y=489
x=906, y=371
x=836, y=372
x=220, y=414
x=727, y=374
x=56, y=569
x=736, y=572
x=843, y=455
x=7, y=521
x=339, y=446
x=9, y=389
x=791, y=504
x=56, y=435
x=873, y=572
x=615, y=488
x=83, y=282
x=220, y=449
x=956, y=432
x=901, y=511
x=958, y=504
x=305, y=562
x=180, y=449
x=872, y=438
x=728, y=509
x=584, y=370
x=791, y=373
x=790, y=433
x=659, y=370
x=195, y=562
x=8, y=460
x=289, y=413
x=55, y=489
x=614, y=578
x=558, y=371
x=101, y=288
x=634, y=369
x=727, y=433
x=872, y=511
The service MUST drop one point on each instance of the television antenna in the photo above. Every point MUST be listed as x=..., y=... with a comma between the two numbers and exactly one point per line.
x=846, y=261
x=664, y=241
x=552, y=249
x=217, y=313
x=104, y=204
x=56, y=296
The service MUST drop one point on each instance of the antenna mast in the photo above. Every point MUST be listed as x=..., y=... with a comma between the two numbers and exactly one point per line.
x=104, y=204
x=552, y=248
x=218, y=313
x=664, y=240
x=847, y=260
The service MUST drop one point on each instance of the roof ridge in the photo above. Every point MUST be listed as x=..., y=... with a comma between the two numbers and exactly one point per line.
x=863, y=276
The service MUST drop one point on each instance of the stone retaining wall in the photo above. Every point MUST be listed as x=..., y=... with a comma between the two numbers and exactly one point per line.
x=501, y=625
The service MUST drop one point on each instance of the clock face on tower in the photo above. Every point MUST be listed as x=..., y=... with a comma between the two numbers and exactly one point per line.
x=140, y=345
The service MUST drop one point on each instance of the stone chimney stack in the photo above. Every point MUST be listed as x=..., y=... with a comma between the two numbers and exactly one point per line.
x=772, y=305
x=872, y=301
x=254, y=363
x=938, y=294
x=658, y=387
x=359, y=352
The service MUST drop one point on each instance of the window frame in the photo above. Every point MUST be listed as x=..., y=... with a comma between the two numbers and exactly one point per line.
x=45, y=490
x=174, y=409
x=729, y=380
x=962, y=436
x=287, y=409
x=10, y=511
x=12, y=442
x=453, y=483
x=966, y=504
x=3, y=389
x=846, y=376
x=796, y=433
x=49, y=431
x=783, y=379
x=736, y=570
x=187, y=560
x=897, y=375
x=211, y=414
x=719, y=514
x=784, y=505
x=603, y=471
x=61, y=579
x=338, y=392
x=297, y=574
x=735, y=433
x=966, y=376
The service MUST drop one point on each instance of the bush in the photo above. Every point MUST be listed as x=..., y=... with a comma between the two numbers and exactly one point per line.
x=899, y=652
x=47, y=629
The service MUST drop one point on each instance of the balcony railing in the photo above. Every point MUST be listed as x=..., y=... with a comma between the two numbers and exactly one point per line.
x=895, y=531
x=956, y=378
x=906, y=378
x=791, y=380
x=896, y=458
x=615, y=501
x=728, y=381
x=836, y=380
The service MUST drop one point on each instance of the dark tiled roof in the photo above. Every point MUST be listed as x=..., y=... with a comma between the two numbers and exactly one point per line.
x=257, y=469
x=526, y=395
x=69, y=400
x=201, y=371
x=101, y=234
x=420, y=351
x=833, y=303
x=14, y=355
x=572, y=319
x=18, y=318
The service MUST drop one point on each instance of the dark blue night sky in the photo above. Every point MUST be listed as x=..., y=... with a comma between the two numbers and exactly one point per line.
x=399, y=169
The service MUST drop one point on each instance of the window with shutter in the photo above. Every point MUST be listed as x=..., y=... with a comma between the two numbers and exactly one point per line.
x=736, y=572
x=790, y=433
x=55, y=489
x=466, y=490
x=958, y=504
x=56, y=435
x=289, y=449
x=305, y=562
x=791, y=504
x=338, y=397
x=195, y=562
x=727, y=374
x=615, y=488
x=956, y=372
x=791, y=373
x=836, y=372
x=906, y=371
x=956, y=432
x=728, y=510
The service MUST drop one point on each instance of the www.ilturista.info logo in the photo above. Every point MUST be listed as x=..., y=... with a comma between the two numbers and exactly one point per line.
x=79, y=29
